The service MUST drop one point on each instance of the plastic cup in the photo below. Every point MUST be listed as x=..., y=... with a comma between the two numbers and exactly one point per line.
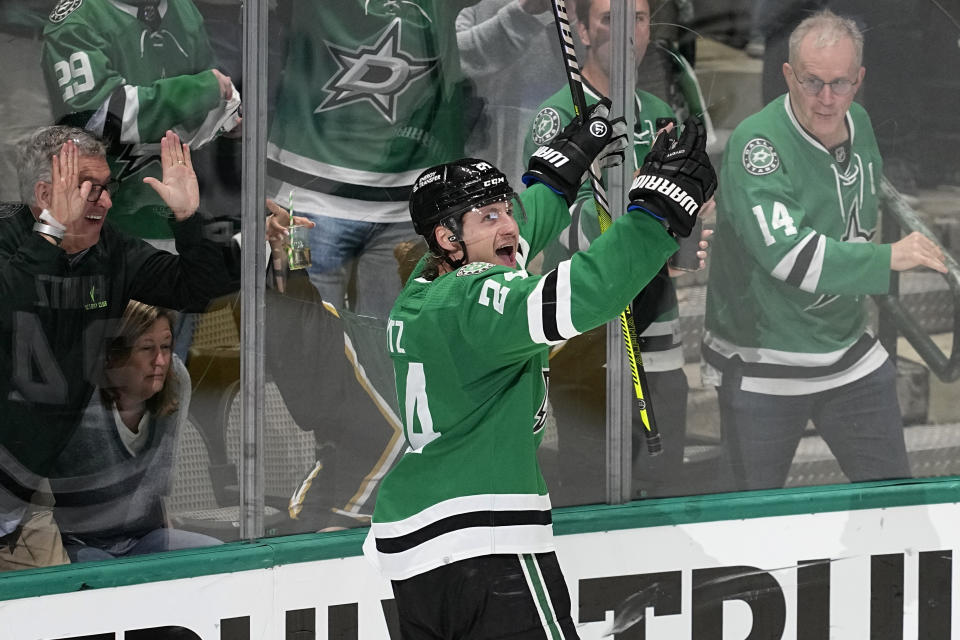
x=298, y=247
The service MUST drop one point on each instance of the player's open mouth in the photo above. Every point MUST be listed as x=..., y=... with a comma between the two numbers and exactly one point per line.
x=508, y=252
x=93, y=217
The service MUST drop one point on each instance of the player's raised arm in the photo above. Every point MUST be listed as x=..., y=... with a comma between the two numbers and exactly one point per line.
x=594, y=285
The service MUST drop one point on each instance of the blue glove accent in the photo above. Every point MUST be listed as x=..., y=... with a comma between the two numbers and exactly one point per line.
x=633, y=206
x=528, y=180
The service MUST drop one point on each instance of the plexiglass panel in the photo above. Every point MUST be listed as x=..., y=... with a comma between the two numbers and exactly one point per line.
x=814, y=347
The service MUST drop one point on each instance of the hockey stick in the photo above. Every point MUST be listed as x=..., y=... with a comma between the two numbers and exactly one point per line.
x=627, y=326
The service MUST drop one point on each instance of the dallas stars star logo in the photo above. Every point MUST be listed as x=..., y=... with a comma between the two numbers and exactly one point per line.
x=376, y=74
x=759, y=157
x=853, y=233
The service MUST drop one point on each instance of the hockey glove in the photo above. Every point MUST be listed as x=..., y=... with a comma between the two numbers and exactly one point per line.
x=562, y=163
x=676, y=179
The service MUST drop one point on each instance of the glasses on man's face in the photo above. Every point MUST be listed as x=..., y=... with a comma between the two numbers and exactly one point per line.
x=813, y=85
x=97, y=189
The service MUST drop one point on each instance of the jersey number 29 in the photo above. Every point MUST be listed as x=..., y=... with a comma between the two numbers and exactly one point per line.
x=74, y=75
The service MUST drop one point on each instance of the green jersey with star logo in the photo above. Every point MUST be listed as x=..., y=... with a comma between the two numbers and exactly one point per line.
x=371, y=95
x=469, y=350
x=662, y=350
x=792, y=260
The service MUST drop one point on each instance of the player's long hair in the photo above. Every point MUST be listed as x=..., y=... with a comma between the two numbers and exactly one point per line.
x=431, y=268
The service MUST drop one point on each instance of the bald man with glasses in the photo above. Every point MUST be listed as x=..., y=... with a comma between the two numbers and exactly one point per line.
x=786, y=334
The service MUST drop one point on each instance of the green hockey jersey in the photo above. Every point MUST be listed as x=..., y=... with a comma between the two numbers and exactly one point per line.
x=470, y=356
x=107, y=72
x=662, y=350
x=372, y=94
x=792, y=258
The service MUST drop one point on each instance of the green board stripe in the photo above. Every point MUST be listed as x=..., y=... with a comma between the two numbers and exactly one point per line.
x=271, y=552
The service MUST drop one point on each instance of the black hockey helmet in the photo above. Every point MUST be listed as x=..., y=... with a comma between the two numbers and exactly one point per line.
x=454, y=188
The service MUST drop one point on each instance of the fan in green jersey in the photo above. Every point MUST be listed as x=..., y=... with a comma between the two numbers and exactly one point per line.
x=469, y=337
x=786, y=337
x=579, y=381
x=128, y=72
x=372, y=94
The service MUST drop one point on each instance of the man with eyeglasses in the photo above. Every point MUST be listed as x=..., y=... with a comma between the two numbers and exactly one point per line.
x=65, y=280
x=128, y=71
x=786, y=337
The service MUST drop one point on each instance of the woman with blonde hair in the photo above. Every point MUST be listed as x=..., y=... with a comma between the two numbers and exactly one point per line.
x=110, y=480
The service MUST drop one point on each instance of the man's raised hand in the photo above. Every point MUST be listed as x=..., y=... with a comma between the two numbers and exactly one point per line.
x=67, y=203
x=179, y=188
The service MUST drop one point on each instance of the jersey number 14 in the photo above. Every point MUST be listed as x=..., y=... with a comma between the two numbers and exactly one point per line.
x=779, y=220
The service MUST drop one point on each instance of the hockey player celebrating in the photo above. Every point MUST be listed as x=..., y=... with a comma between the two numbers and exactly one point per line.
x=462, y=524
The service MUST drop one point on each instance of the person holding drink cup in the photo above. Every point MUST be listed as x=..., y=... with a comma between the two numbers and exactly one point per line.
x=287, y=235
x=579, y=390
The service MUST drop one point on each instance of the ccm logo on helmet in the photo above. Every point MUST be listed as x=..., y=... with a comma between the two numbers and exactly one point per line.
x=552, y=156
x=493, y=181
x=667, y=188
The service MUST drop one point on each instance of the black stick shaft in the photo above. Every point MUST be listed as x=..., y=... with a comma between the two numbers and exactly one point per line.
x=627, y=325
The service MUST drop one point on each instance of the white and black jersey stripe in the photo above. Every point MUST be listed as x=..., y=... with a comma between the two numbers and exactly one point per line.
x=803, y=265
x=460, y=528
x=661, y=346
x=549, y=310
x=787, y=373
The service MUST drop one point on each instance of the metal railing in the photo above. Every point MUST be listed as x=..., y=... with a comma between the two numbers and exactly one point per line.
x=893, y=313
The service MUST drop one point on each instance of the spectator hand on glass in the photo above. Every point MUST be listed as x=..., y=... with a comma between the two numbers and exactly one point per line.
x=67, y=202
x=179, y=188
